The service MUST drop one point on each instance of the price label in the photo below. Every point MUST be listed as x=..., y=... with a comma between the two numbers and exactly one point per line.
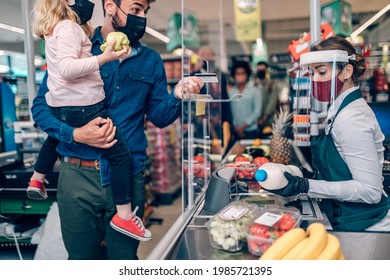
x=233, y=213
x=268, y=219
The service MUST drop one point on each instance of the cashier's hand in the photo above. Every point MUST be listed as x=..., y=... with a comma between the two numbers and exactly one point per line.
x=99, y=133
x=188, y=85
x=308, y=174
x=296, y=185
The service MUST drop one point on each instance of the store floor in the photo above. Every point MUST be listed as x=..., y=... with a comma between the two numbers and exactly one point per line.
x=161, y=219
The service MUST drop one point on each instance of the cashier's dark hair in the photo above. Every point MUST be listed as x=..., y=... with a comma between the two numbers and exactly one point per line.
x=340, y=43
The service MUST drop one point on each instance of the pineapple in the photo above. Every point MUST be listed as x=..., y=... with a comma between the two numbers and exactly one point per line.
x=280, y=145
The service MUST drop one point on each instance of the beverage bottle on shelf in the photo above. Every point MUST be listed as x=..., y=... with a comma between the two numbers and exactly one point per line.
x=271, y=175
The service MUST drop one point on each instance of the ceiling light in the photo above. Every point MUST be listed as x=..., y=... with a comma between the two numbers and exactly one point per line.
x=157, y=35
x=13, y=29
x=370, y=21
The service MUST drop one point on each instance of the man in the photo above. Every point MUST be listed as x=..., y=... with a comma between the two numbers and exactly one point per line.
x=134, y=87
x=269, y=94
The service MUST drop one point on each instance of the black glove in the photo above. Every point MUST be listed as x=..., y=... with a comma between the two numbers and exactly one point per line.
x=296, y=185
x=308, y=174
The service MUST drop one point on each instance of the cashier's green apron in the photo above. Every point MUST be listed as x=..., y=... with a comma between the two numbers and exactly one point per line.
x=344, y=216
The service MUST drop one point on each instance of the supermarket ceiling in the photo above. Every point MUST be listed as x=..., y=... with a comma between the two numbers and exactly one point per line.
x=282, y=19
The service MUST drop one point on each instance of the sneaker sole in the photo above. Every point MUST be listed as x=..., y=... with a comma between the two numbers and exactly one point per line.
x=36, y=194
x=125, y=232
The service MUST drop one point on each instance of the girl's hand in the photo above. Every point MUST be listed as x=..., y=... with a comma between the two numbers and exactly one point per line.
x=110, y=54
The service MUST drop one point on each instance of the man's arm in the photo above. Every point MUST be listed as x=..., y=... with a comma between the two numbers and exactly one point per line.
x=43, y=116
x=97, y=133
x=162, y=108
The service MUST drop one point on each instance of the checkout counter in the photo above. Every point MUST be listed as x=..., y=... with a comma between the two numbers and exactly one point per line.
x=16, y=168
x=209, y=183
x=188, y=239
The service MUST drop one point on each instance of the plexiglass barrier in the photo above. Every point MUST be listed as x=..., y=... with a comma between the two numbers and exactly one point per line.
x=205, y=116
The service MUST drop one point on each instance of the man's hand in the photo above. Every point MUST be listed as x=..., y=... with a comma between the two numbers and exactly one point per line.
x=188, y=85
x=240, y=130
x=99, y=133
x=262, y=120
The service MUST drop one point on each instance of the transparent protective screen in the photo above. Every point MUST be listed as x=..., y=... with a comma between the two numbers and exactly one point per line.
x=202, y=114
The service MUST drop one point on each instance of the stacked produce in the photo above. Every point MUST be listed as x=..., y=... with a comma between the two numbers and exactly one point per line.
x=313, y=244
x=164, y=154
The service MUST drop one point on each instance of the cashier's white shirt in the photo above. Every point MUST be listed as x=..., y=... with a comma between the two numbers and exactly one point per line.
x=359, y=140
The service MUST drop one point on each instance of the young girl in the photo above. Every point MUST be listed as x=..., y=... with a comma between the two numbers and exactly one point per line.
x=76, y=97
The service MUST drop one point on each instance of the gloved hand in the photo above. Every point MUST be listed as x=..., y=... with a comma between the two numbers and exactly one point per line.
x=296, y=185
x=308, y=174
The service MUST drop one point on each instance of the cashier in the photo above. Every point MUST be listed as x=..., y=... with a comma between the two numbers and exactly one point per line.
x=348, y=157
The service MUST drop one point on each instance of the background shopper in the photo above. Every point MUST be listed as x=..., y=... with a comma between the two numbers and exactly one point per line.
x=247, y=109
x=269, y=94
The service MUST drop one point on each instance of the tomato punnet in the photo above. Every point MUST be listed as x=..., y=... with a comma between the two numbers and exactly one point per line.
x=199, y=158
x=260, y=160
x=241, y=159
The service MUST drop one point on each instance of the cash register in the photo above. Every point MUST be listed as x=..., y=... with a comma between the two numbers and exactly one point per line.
x=382, y=113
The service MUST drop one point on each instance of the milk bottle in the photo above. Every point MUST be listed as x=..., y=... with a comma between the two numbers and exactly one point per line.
x=271, y=175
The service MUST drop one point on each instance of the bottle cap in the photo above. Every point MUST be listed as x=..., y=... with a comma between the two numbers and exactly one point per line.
x=261, y=175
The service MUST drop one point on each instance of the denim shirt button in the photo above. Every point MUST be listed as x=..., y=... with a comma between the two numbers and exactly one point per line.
x=117, y=87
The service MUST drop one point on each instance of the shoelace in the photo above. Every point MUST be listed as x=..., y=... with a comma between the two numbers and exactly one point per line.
x=137, y=221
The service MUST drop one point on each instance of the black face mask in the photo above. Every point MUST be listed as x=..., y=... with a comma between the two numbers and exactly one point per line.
x=260, y=74
x=134, y=28
x=84, y=10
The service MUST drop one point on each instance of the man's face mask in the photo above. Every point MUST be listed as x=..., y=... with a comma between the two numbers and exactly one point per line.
x=84, y=10
x=134, y=28
x=260, y=74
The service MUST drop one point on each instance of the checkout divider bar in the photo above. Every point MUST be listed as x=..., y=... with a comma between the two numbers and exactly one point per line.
x=164, y=247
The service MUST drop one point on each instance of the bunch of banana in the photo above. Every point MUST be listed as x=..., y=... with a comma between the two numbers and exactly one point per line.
x=313, y=244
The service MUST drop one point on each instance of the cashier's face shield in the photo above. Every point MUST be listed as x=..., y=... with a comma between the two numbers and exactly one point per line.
x=321, y=71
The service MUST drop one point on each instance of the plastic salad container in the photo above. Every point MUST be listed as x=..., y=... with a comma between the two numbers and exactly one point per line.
x=268, y=225
x=227, y=229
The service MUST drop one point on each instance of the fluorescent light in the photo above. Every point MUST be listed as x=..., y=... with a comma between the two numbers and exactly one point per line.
x=13, y=29
x=157, y=35
x=370, y=21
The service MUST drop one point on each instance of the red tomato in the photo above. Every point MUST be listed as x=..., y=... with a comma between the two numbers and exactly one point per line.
x=276, y=234
x=260, y=160
x=286, y=222
x=253, y=245
x=241, y=159
x=259, y=230
x=199, y=158
x=264, y=247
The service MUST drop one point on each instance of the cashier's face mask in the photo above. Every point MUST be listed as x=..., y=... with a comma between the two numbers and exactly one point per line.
x=322, y=90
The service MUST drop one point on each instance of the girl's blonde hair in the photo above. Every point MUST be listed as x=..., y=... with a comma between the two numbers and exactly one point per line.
x=47, y=13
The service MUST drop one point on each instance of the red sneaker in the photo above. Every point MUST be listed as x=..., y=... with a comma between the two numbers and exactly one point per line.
x=133, y=227
x=36, y=190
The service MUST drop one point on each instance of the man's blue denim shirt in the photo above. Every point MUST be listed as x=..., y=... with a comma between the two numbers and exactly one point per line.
x=134, y=87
